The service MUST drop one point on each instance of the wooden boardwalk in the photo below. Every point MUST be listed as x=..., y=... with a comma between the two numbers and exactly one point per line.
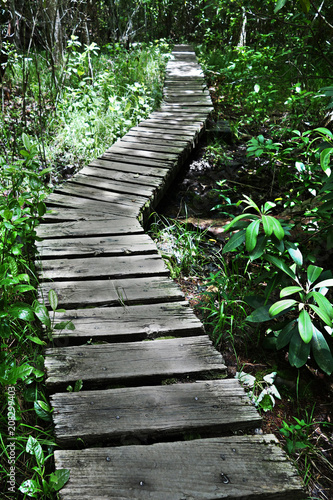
x=156, y=419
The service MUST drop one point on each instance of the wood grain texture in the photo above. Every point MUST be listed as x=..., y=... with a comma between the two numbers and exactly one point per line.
x=136, y=322
x=81, y=228
x=123, y=166
x=236, y=467
x=128, y=266
x=130, y=189
x=149, y=159
x=94, y=293
x=130, y=244
x=128, y=177
x=128, y=361
x=215, y=406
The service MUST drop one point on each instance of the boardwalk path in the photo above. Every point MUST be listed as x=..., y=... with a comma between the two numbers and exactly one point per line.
x=131, y=433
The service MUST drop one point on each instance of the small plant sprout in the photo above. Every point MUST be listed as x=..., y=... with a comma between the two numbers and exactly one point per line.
x=263, y=392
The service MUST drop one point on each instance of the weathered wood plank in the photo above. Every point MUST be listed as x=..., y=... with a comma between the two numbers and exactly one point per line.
x=174, y=135
x=101, y=195
x=147, y=161
x=128, y=177
x=215, y=406
x=131, y=322
x=121, y=148
x=92, y=207
x=108, y=163
x=86, y=228
x=158, y=139
x=144, y=146
x=58, y=214
x=130, y=244
x=235, y=468
x=128, y=361
x=101, y=267
x=128, y=188
x=77, y=294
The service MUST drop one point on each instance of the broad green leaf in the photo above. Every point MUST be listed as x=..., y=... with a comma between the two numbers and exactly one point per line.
x=42, y=411
x=238, y=218
x=42, y=314
x=279, y=5
x=325, y=158
x=286, y=334
x=30, y=488
x=305, y=326
x=22, y=371
x=281, y=265
x=321, y=352
x=259, y=315
x=323, y=303
x=277, y=229
x=251, y=203
x=324, y=283
x=34, y=448
x=22, y=311
x=59, y=478
x=267, y=225
x=235, y=241
x=259, y=249
x=26, y=141
x=295, y=253
x=53, y=299
x=324, y=131
x=78, y=385
x=313, y=273
x=299, y=351
x=322, y=314
x=280, y=306
x=289, y=290
x=251, y=235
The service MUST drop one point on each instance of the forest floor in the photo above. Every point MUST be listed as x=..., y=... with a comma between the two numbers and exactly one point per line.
x=306, y=394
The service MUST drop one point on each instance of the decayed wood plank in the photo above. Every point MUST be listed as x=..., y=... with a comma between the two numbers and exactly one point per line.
x=82, y=228
x=132, y=322
x=215, y=406
x=62, y=214
x=128, y=361
x=76, y=294
x=130, y=244
x=128, y=177
x=103, y=195
x=236, y=467
x=102, y=267
x=107, y=163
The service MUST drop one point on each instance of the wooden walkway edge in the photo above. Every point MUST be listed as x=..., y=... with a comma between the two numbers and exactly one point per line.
x=156, y=417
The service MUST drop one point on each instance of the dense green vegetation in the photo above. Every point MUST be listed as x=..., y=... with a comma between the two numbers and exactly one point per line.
x=73, y=82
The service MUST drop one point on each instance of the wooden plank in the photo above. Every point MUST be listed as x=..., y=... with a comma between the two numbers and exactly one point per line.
x=130, y=322
x=123, y=157
x=101, y=195
x=181, y=92
x=215, y=406
x=93, y=207
x=143, y=145
x=107, y=163
x=234, y=468
x=128, y=266
x=130, y=244
x=161, y=140
x=115, y=186
x=61, y=214
x=123, y=149
x=77, y=294
x=129, y=361
x=128, y=177
x=82, y=228
x=174, y=135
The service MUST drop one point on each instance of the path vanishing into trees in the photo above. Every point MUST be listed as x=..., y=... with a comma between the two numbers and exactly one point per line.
x=155, y=417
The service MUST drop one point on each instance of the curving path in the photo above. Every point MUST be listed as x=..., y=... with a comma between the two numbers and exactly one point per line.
x=156, y=419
